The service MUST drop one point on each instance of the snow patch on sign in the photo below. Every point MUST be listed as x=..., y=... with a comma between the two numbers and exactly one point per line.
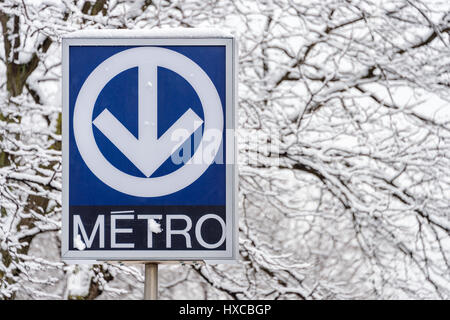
x=154, y=226
x=78, y=243
x=153, y=33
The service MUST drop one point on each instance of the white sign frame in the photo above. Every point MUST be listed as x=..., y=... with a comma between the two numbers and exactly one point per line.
x=214, y=256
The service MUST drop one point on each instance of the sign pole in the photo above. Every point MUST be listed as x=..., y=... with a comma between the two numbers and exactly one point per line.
x=151, y=281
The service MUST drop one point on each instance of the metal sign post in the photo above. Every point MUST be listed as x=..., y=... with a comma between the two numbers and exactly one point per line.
x=151, y=281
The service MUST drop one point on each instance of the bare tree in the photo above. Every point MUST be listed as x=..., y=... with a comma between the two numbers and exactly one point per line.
x=344, y=146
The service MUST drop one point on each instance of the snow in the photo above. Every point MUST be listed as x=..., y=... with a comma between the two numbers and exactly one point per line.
x=78, y=243
x=78, y=280
x=366, y=204
x=151, y=33
x=154, y=226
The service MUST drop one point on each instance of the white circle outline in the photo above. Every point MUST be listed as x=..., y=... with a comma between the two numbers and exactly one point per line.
x=83, y=113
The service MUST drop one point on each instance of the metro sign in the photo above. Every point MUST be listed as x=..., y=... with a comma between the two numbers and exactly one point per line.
x=148, y=158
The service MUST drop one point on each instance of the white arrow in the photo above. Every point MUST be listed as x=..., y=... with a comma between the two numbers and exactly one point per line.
x=147, y=152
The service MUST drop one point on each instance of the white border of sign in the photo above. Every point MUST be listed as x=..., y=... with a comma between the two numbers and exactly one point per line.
x=214, y=256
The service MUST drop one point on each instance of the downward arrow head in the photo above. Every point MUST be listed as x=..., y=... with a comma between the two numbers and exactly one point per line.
x=148, y=152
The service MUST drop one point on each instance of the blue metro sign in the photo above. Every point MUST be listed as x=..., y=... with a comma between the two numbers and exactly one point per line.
x=148, y=166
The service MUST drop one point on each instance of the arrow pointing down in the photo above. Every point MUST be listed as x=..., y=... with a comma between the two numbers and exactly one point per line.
x=147, y=152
